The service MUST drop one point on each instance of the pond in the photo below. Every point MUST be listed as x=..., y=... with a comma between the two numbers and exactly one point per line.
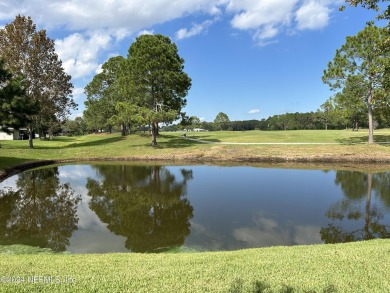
x=97, y=208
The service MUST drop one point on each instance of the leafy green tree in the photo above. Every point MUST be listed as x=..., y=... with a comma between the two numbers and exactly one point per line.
x=75, y=127
x=361, y=57
x=384, y=13
x=31, y=53
x=327, y=113
x=154, y=79
x=127, y=115
x=103, y=94
x=195, y=121
x=373, y=5
x=221, y=120
x=352, y=101
x=15, y=106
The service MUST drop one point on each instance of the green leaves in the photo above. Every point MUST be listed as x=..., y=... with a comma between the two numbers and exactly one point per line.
x=148, y=87
x=360, y=61
x=31, y=53
x=15, y=107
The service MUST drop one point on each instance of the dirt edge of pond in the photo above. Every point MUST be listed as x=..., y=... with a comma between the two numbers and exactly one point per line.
x=285, y=162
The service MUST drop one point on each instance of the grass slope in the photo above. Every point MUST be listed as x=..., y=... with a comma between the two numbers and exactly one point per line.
x=175, y=148
x=353, y=267
x=293, y=136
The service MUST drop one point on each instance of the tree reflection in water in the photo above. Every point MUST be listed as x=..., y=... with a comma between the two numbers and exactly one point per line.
x=145, y=204
x=40, y=212
x=357, y=206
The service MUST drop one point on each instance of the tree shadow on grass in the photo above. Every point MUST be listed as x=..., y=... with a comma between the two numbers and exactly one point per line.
x=64, y=143
x=99, y=142
x=237, y=286
x=204, y=137
x=381, y=139
x=64, y=138
x=175, y=142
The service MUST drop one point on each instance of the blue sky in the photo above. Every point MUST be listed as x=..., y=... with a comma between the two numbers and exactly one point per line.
x=247, y=58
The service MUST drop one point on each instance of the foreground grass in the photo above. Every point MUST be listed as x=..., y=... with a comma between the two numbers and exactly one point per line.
x=175, y=148
x=352, y=267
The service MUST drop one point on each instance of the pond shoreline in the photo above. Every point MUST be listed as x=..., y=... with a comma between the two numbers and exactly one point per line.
x=286, y=162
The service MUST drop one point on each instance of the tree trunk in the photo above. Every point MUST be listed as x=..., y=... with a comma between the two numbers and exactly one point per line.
x=154, y=133
x=157, y=130
x=370, y=119
x=123, y=129
x=356, y=126
x=30, y=137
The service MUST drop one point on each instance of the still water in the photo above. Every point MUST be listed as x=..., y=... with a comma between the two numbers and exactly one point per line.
x=96, y=208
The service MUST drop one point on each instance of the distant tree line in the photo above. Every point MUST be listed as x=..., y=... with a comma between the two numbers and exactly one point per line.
x=333, y=114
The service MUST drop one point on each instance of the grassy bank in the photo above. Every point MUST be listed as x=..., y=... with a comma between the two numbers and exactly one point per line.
x=294, y=136
x=351, y=147
x=353, y=267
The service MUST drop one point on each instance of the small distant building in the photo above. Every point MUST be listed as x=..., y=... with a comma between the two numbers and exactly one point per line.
x=14, y=134
x=199, y=130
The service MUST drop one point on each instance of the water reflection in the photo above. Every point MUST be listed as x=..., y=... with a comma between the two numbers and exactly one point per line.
x=147, y=205
x=119, y=207
x=357, y=207
x=39, y=211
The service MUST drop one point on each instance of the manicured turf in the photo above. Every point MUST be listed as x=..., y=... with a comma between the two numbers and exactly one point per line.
x=174, y=147
x=293, y=136
x=355, y=267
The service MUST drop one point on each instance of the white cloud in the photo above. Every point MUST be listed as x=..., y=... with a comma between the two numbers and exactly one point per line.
x=267, y=231
x=314, y=14
x=74, y=115
x=145, y=32
x=96, y=25
x=268, y=18
x=254, y=111
x=255, y=14
x=79, y=53
x=195, y=30
x=78, y=94
x=267, y=32
x=265, y=17
x=114, y=15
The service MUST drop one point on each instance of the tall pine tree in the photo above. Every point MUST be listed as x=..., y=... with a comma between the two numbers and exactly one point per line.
x=15, y=107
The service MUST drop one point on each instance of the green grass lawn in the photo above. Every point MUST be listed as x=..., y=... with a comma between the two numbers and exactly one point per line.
x=175, y=148
x=300, y=136
x=354, y=267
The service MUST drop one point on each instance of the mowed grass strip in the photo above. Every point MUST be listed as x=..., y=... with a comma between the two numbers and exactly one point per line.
x=173, y=147
x=293, y=136
x=353, y=267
